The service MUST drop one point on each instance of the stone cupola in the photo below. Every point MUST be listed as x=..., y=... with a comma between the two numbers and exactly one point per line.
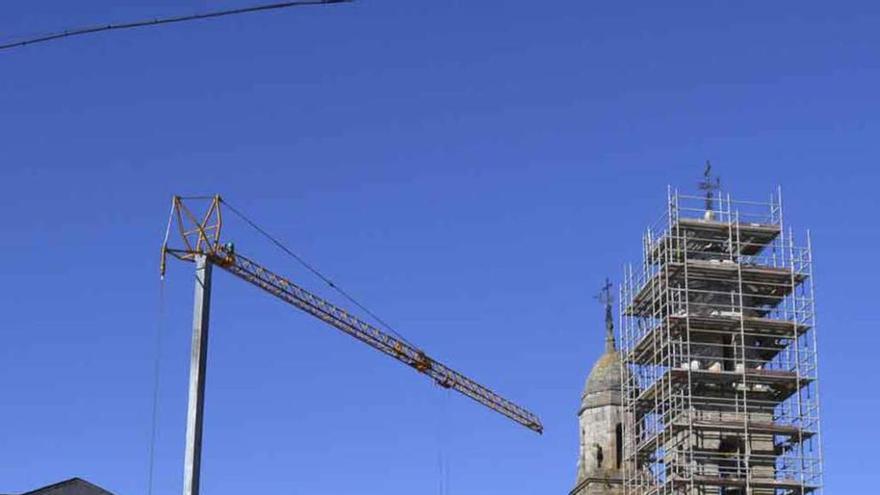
x=600, y=418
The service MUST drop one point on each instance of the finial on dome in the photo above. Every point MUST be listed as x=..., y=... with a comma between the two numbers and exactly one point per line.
x=711, y=184
x=606, y=298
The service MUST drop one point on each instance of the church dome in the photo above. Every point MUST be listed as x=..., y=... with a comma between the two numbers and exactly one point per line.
x=600, y=418
x=603, y=385
x=605, y=375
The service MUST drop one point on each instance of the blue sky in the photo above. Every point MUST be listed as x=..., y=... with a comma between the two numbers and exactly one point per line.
x=470, y=170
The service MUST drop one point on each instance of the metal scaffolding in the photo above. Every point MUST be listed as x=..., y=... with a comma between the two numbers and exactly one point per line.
x=719, y=354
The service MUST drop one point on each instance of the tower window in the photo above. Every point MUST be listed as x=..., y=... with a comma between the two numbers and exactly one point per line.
x=619, y=444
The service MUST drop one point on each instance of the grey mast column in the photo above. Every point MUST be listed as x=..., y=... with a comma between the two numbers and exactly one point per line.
x=198, y=360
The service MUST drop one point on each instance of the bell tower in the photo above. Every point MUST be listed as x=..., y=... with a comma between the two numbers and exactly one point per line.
x=600, y=418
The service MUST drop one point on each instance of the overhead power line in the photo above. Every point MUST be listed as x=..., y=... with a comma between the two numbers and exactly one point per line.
x=67, y=33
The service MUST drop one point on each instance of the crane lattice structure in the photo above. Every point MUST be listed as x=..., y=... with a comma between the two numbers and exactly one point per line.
x=202, y=244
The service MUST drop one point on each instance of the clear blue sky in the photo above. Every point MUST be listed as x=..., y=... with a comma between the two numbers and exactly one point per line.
x=470, y=170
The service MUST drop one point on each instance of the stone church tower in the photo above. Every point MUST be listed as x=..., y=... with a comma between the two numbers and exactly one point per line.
x=600, y=418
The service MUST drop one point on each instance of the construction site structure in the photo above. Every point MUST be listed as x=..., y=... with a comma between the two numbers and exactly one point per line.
x=718, y=350
x=201, y=242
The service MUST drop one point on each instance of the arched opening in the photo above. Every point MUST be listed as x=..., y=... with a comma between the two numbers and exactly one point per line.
x=618, y=447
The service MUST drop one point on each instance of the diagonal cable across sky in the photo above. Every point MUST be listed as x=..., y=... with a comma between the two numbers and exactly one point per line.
x=158, y=21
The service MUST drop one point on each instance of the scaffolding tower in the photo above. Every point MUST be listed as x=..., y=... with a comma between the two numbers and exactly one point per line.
x=719, y=363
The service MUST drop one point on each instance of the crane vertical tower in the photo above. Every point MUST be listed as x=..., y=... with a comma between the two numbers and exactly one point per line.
x=200, y=243
x=197, y=376
x=719, y=353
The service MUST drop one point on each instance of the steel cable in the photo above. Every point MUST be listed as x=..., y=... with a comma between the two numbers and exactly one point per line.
x=157, y=368
x=67, y=33
x=317, y=273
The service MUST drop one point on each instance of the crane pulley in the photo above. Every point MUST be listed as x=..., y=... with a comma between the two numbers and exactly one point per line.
x=202, y=243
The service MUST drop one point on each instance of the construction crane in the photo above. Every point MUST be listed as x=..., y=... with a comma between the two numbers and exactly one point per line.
x=202, y=244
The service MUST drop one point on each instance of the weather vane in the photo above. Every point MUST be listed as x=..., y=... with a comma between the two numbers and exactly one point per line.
x=607, y=299
x=711, y=185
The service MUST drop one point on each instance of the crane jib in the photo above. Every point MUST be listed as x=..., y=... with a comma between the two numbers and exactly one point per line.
x=337, y=317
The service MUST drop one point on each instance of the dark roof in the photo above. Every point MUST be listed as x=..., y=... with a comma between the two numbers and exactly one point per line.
x=73, y=486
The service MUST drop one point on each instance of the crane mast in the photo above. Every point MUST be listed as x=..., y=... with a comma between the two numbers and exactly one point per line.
x=201, y=244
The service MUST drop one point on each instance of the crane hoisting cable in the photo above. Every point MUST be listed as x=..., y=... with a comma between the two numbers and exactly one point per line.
x=202, y=244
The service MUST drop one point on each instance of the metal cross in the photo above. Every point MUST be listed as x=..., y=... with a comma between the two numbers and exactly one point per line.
x=709, y=185
x=604, y=296
x=607, y=299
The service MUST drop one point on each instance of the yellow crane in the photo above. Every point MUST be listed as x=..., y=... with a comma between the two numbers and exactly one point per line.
x=202, y=244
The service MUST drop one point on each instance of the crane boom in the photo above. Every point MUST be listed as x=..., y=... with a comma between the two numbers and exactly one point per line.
x=202, y=237
x=291, y=293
